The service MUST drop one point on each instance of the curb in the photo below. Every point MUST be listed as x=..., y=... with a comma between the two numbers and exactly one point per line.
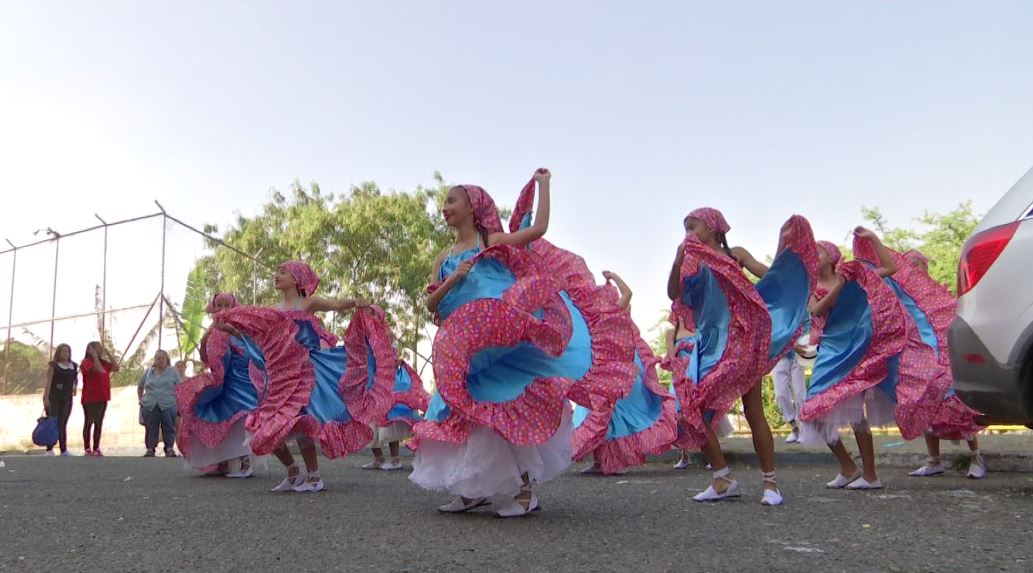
x=1010, y=462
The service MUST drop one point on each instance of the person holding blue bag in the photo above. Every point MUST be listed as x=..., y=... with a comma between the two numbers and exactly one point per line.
x=61, y=387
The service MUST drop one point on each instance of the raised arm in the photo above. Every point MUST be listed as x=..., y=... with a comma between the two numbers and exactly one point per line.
x=748, y=262
x=623, y=287
x=822, y=307
x=95, y=364
x=541, y=219
x=674, y=286
x=887, y=266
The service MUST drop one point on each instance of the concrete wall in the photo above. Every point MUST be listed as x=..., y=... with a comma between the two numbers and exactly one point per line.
x=122, y=432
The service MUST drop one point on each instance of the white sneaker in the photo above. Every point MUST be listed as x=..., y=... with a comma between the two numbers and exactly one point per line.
x=591, y=470
x=842, y=481
x=457, y=505
x=683, y=464
x=49, y=453
x=977, y=469
x=241, y=474
x=309, y=486
x=66, y=454
x=793, y=438
x=516, y=509
x=928, y=471
x=772, y=497
x=711, y=494
x=390, y=466
x=288, y=485
x=374, y=465
x=864, y=484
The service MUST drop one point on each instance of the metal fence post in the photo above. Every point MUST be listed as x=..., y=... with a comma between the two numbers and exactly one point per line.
x=10, y=319
x=53, y=300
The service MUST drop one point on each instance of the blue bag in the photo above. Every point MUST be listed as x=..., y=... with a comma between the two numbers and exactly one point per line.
x=45, y=433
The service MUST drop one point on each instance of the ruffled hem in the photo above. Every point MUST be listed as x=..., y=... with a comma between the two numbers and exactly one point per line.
x=206, y=458
x=797, y=236
x=745, y=358
x=541, y=272
x=614, y=335
x=889, y=338
x=188, y=392
x=532, y=417
x=873, y=408
x=955, y=421
x=393, y=432
x=416, y=398
x=366, y=401
x=934, y=299
x=291, y=376
x=489, y=466
x=280, y=413
x=615, y=455
x=925, y=376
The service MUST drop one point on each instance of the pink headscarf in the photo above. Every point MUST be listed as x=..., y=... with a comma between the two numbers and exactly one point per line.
x=485, y=213
x=712, y=218
x=832, y=251
x=305, y=278
x=226, y=297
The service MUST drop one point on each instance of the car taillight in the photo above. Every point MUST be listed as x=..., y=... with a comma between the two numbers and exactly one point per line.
x=980, y=252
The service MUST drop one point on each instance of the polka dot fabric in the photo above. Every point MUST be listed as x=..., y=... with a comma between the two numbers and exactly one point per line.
x=889, y=338
x=953, y=420
x=746, y=353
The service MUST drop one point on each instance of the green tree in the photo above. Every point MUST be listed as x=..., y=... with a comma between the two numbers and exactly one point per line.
x=366, y=243
x=896, y=238
x=940, y=240
x=190, y=326
x=23, y=366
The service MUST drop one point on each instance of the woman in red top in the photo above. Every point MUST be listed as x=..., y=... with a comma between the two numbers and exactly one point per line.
x=97, y=367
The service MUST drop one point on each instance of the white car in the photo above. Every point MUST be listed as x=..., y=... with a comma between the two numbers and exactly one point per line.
x=991, y=339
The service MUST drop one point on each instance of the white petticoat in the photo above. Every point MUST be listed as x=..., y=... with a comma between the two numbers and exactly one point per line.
x=234, y=446
x=487, y=466
x=724, y=428
x=871, y=408
x=393, y=432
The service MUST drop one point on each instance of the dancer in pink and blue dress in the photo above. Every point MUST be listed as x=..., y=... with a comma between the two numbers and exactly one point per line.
x=522, y=328
x=214, y=404
x=872, y=366
x=741, y=331
x=932, y=307
x=644, y=423
x=313, y=390
x=680, y=356
x=860, y=330
x=408, y=400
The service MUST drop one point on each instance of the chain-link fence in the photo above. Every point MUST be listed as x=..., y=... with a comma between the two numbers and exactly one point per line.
x=130, y=284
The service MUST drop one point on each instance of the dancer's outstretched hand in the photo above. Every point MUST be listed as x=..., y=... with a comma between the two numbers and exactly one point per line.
x=542, y=175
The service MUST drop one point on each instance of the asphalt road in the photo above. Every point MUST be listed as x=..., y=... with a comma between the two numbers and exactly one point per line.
x=80, y=514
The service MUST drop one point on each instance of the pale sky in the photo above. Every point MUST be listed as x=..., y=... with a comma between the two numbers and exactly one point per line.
x=643, y=111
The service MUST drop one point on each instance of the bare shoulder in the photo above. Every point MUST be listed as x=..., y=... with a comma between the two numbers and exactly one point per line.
x=741, y=253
